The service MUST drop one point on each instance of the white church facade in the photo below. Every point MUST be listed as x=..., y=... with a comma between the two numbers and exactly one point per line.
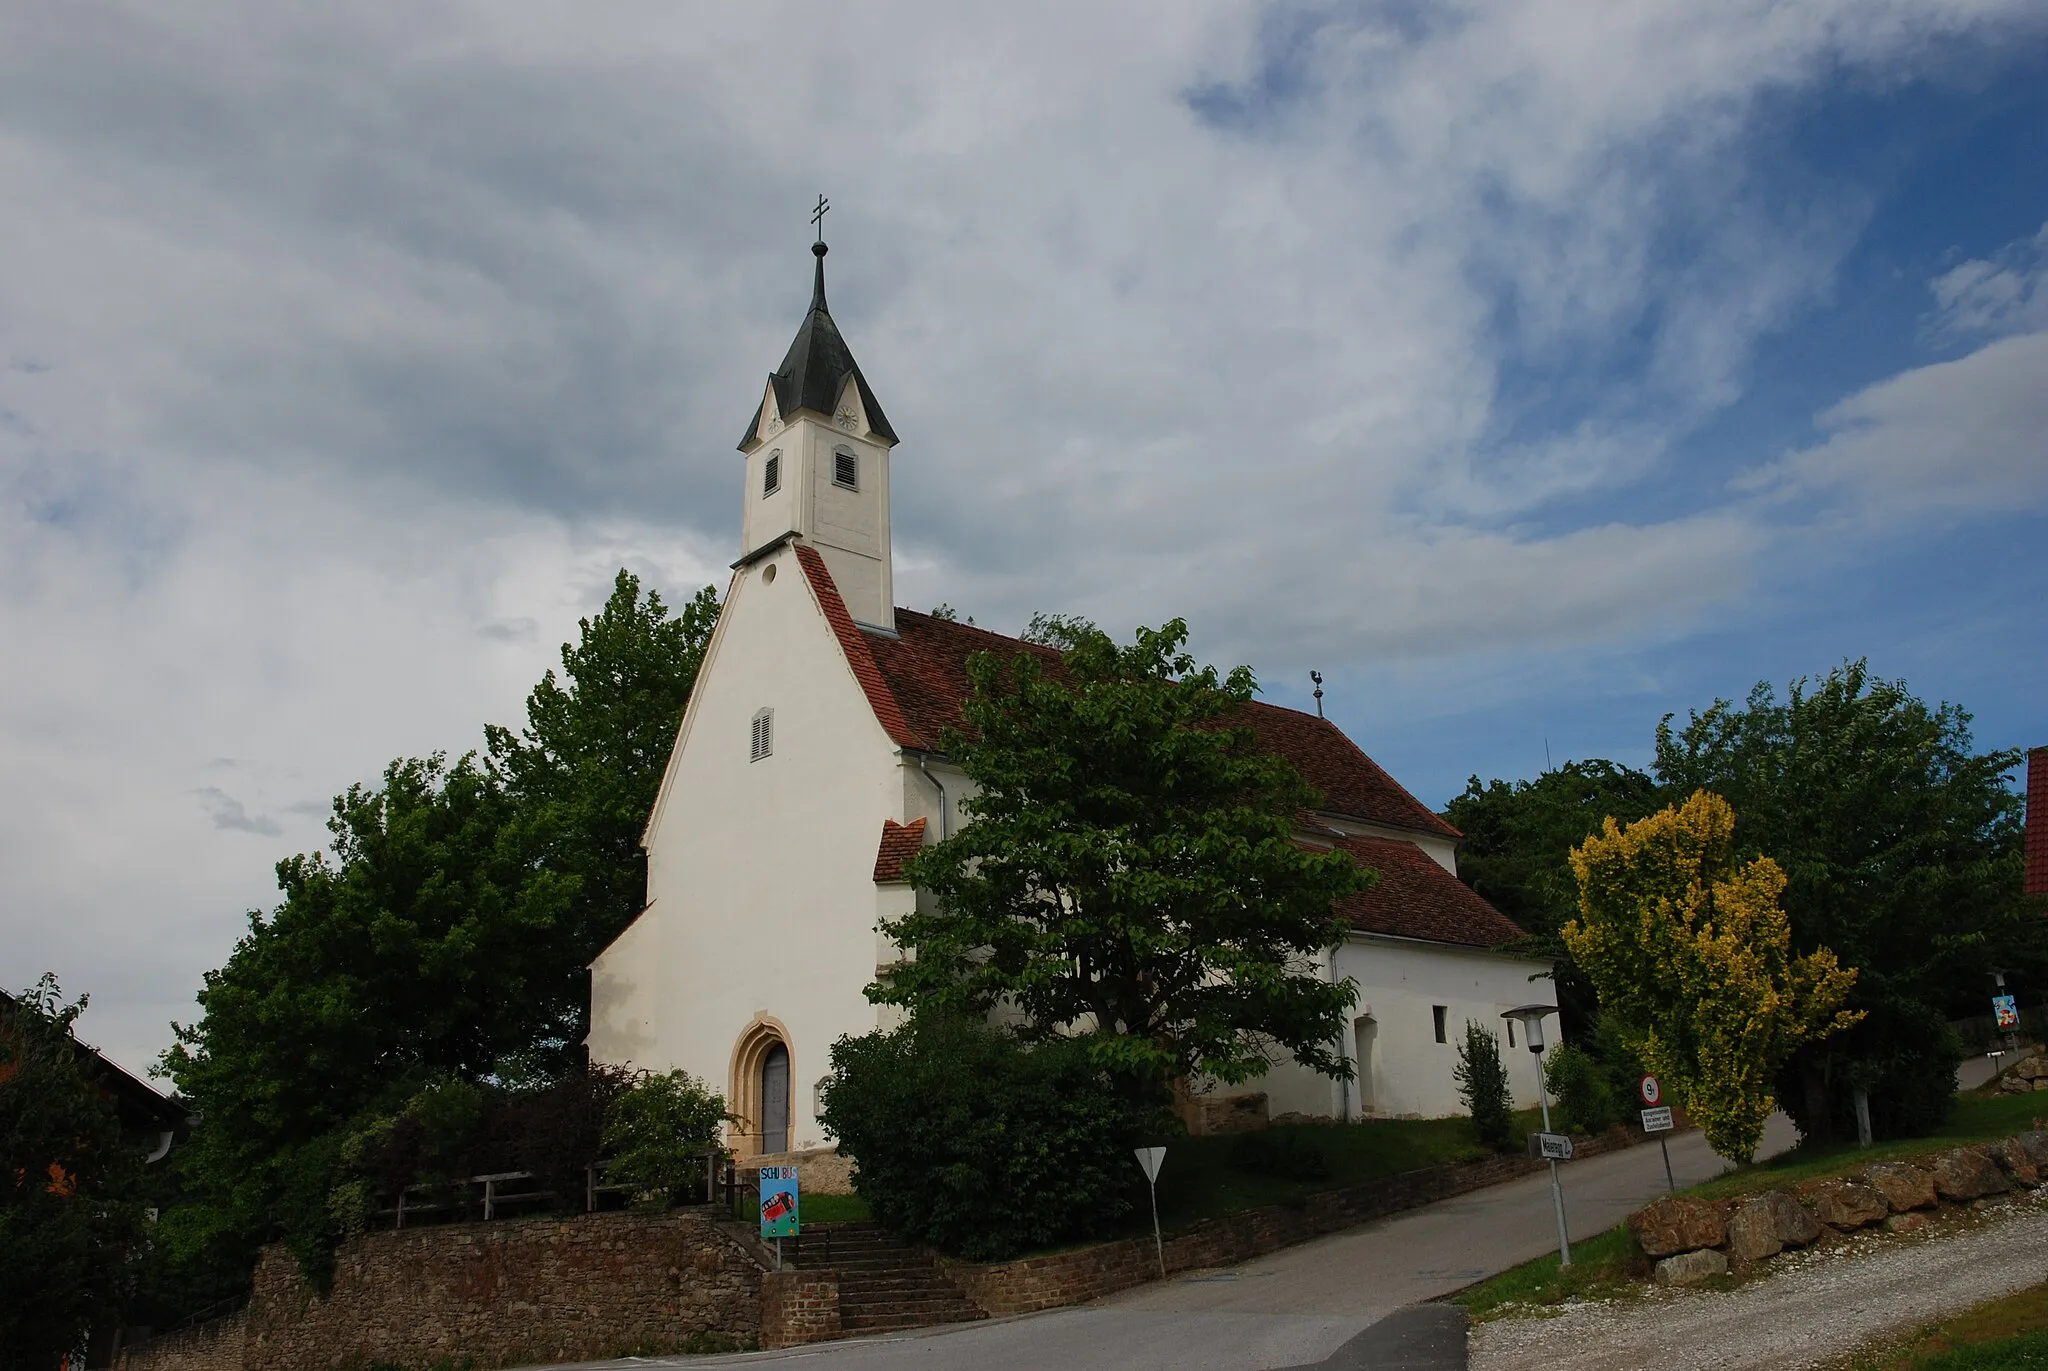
x=807, y=768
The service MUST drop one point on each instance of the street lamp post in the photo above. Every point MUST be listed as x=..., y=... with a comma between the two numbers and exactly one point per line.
x=1530, y=1016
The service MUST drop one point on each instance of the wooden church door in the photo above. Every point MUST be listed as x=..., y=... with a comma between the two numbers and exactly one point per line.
x=775, y=1099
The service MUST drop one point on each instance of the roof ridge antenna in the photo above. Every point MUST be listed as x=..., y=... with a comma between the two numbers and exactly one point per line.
x=1317, y=677
x=818, y=250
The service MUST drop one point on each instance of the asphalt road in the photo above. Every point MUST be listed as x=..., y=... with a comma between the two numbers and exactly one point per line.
x=1298, y=1307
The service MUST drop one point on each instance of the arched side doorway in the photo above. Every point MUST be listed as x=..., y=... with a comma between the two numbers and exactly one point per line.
x=759, y=1091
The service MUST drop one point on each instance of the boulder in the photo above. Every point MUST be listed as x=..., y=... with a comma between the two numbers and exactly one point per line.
x=1908, y=1223
x=2031, y=1068
x=1767, y=1224
x=1843, y=1204
x=2034, y=1145
x=1967, y=1174
x=1677, y=1224
x=2013, y=1160
x=1753, y=1234
x=1903, y=1185
x=1690, y=1268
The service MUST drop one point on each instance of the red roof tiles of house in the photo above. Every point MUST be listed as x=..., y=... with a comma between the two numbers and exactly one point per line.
x=1416, y=898
x=922, y=675
x=900, y=843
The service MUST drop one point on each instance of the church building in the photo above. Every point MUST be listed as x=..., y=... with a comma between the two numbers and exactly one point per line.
x=807, y=768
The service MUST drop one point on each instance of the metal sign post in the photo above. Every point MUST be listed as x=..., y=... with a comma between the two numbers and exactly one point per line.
x=1530, y=1016
x=1149, y=1160
x=1657, y=1119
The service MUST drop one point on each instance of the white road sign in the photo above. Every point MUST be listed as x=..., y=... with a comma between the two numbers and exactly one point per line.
x=1556, y=1147
x=1657, y=1120
x=1150, y=1158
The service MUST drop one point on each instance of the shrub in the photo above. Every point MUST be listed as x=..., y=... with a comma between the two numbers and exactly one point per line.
x=658, y=1132
x=1580, y=1089
x=979, y=1145
x=1483, y=1085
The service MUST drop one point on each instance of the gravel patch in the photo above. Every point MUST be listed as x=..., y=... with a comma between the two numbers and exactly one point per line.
x=1813, y=1309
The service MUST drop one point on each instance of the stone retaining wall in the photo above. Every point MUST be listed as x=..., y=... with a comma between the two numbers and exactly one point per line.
x=1692, y=1240
x=799, y=1307
x=518, y=1290
x=1086, y=1273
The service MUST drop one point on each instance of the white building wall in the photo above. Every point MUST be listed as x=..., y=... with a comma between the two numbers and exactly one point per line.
x=1408, y=1072
x=762, y=903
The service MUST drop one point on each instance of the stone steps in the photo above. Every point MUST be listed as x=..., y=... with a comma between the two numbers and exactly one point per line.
x=885, y=1284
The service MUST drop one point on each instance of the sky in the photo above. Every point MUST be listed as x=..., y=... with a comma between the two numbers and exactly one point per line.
x=1532, y=369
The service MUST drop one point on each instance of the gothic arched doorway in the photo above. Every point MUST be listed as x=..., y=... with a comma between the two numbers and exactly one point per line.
x=759, y=1089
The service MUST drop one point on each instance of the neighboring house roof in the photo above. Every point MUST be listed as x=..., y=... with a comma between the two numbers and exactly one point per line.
x=142, y=1107
x=900, y=843
x=814, y=371
x=1416, y=898
x=923, y=679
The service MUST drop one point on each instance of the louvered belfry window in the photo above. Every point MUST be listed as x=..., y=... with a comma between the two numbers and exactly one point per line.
x=846, y=470
x=771, y=473
x=763, y=741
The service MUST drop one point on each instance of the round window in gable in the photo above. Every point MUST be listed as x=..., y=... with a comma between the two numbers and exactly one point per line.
x=768, y=574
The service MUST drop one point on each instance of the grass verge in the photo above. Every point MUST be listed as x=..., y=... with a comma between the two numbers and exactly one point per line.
x=1604, y=1265
x=1206, y=1178
x=1975, y=1118
x=2005, y=1335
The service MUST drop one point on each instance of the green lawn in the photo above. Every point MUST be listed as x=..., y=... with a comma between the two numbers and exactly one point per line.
x=2005, y=1335
x=1600, y=1265
x=1976, y=1118
x=1205, y=1178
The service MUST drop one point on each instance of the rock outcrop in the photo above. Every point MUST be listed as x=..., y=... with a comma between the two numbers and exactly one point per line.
x=1903, y=1185
x=1843, y=1204
x=1966, y=1174
x=1690, y=1268
x=1678, y=1224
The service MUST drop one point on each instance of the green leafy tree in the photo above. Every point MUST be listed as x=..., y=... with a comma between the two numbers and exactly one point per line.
x=1483, y=1085
x=1694, y=962
x=70, y=1220
x=981, y=1145
x=1585, y=1098
x=445, y=936
x=658, y=1132
x=582, y=777
x=1130, y=872
x=1900, y=846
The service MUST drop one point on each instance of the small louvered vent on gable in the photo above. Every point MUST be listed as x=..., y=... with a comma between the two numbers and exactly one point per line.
x=771, y=473
x=763, y=741
x=846, y=470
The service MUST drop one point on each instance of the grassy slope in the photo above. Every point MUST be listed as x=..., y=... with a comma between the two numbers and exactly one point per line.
x=1612, y=1262
x=2005, y=1335
x=1198, y=1180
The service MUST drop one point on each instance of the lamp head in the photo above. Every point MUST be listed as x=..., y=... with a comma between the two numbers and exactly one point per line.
x=1530, y=1017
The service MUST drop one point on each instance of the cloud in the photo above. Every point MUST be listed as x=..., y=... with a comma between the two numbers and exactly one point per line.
x=2004, y=294
x=1966, y=436
x=228, y=813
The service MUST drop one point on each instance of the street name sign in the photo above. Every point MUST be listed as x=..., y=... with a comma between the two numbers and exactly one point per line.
x=1657, y=1120
x=1555, y=1147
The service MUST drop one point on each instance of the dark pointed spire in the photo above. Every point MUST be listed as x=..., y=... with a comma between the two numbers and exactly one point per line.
x=814, y=371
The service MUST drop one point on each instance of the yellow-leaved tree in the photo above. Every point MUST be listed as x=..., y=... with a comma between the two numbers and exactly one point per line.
x=1693, y=960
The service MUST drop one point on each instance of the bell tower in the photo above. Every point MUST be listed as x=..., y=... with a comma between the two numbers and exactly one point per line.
x=818, y=463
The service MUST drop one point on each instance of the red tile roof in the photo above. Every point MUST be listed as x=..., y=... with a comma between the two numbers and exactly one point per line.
x=924, y=671
x=854, y=644
x=900, y=843
x=1416, y=898
x=2037, y=822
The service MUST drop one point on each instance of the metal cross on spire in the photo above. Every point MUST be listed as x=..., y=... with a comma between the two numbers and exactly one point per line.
x=818, y=216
